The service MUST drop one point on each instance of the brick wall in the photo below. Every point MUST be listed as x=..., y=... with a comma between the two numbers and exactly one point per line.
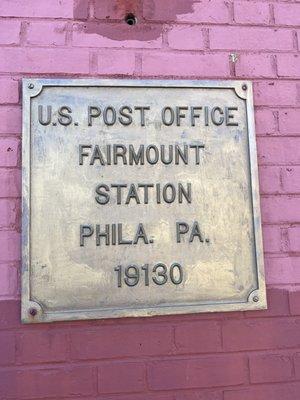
x=232, y=356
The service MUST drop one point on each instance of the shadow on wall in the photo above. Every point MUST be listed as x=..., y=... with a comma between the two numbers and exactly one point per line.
x=116, y=10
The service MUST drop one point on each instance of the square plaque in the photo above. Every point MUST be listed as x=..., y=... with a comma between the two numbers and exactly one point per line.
x=140, y=198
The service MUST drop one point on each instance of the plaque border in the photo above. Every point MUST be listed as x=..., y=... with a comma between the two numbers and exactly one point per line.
x=31, y=310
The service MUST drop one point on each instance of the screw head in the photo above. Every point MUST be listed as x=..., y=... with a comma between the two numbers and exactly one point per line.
x=255, y=299
x=32, y=311
x=244, y=87
x=30, y=85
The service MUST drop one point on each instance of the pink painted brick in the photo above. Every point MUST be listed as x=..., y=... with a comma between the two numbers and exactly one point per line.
x=7, y=348
x=291, y=179
x=186, y=11
x=283, y=270
x=8, y=213
x=197, y=372
x=294, y=297
x=198, y=337
x=270, y=368
x=255, y=65
x=104, y=35
x=237, y=38
x=46, y=33
x=10, y=119
x=289, y=121
x=9, y=92
x=287, y=14
x=198, y=395
x=206, y=65
x=265, y=122
x=48, y=347
x=278, y=305
x=277, y=209
x=269, y=179
x=10, y=182
x=10, y=246
x=177, y=38
x=9, y=152
x=251, y=12
x=108, y=342
x=116, y=62
x=122, y=377
x=294, y=238
x=276, y=93
x=48, y=382
x=38, y=60
x=255, y=334
x=34, y=8
x=272, y=238
x=278, y=150
x=288, y=65
x=283, y=391
x=297, y=365
x=10, y=31
x=8, y=284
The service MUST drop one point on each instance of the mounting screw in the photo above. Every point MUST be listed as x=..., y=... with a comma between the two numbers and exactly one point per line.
x=244, y=87
x=31, y=86
x=255, y=299
x=32, y=312
x=130, y=19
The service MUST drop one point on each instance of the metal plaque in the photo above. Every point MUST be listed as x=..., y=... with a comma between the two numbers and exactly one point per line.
x=140, y=198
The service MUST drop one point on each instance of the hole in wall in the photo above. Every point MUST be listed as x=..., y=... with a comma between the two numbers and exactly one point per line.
x=130, y=19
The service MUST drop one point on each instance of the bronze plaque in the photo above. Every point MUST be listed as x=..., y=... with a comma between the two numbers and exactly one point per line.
x=140, y=198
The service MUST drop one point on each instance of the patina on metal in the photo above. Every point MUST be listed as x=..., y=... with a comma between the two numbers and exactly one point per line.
x=140, y=198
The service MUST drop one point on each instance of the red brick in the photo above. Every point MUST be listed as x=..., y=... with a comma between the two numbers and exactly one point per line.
x=46, y=33
x=9, y=314
x=251, y=12
x=294, y=297
x=287, y=14
x=10, y=246
x=33, y=8
x=8, y=214
x=44, y=346
x=10, y=182
x=177, y=38
x=260, y=334
x=112, y=342
x=278, y=150
x=8, y=281
x=269, y=179
x=288, y=65
x=52, y=382
x=250, y=38
x=288, y=391
x=104, y=35
x=10, y=31
x=289, y=121
x=122, y=378
x=255, y=65
x=10, y=118
x=186, y=11
x=297, y=365
x=116, y=62
x=198, y=65
x=291, y=179
x=197, y=373
x=276, y=93
x=272, y=239
x=294, y=238
x=282, y=270
x=199, y=395
x=9, y=91
x=9, y=152
x=39, y=60
x=277, y=209
x=265, y=122
x=278, y=304
x=270, y=368
x=198, y=337
x=7, y=348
